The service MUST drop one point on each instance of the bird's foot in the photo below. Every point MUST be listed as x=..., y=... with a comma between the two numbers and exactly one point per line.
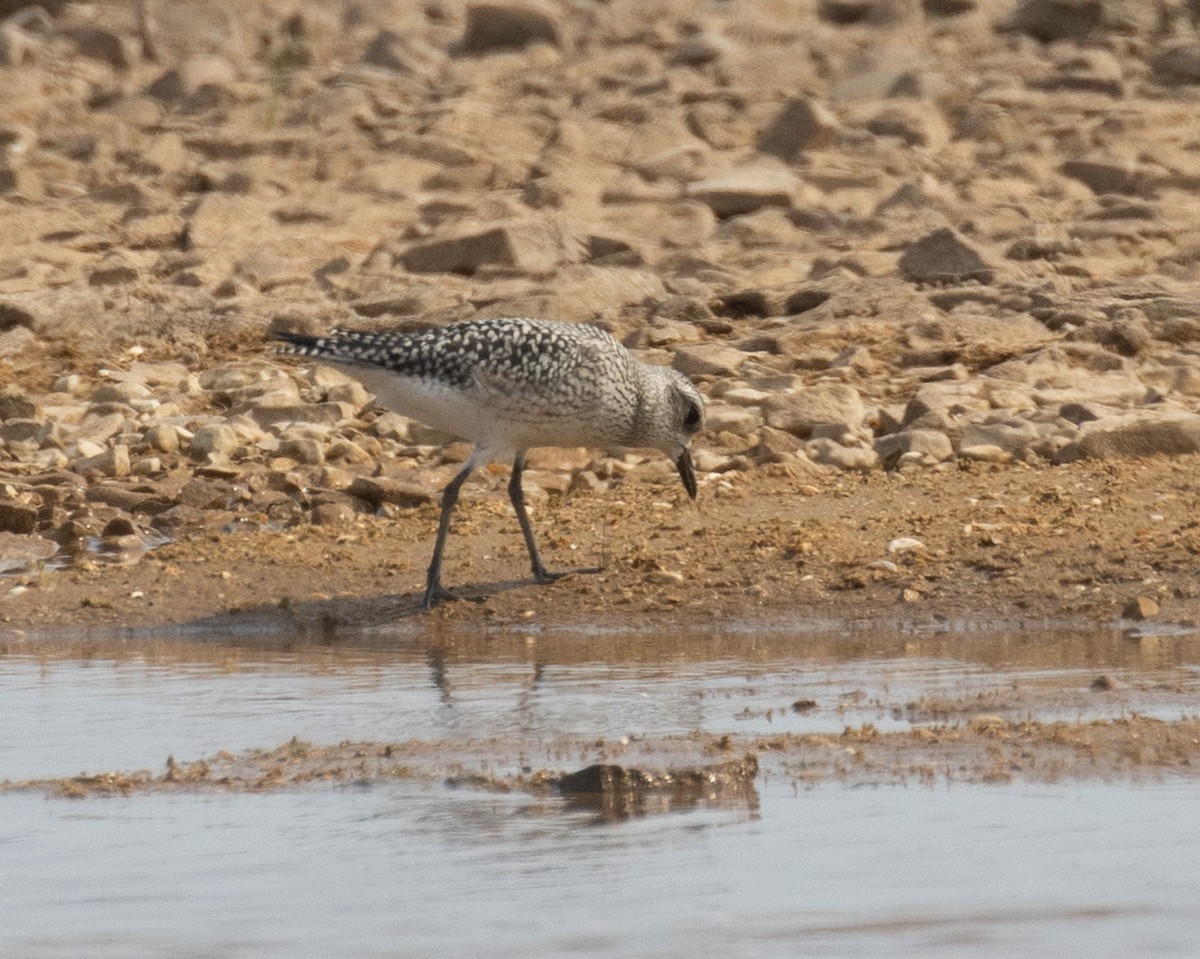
x=542, y=576
x=436, y=593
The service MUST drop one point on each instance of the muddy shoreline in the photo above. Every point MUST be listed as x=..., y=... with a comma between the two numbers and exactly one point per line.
x=1071, y=544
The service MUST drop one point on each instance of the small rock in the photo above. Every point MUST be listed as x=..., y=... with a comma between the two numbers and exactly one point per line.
x=214, y=439
x=905, y=544
x=147, y=466
x=831, y=453
x=720, y=124
x=984, y=453
x=744, y=396
x=352, y=393
x=802, y=124
x=310, y=414
x=119, y=526
x=676, y=163
x=99, y=428
x=1104, y=175
x=1014, y=435
x=546, y=482
x=16, y=517
x=85, y=448
x=113, y=461
x=777, y=446
x=929, y=445
x=526, y=247
x=17, y=44
x=739, y=420
x=404, y=54
x=1178, y=62
x=943, y=256
x=1136, y=434
x=707, y=359
x=162, y=437
x=588, y=482
x=139, y=499
x=508, y=26
x=1140, y=607
x=913, y=123
x=1094, y=71
x=104, y=45
x=1106, y=682
x=113, y=271
x=1051, y=20
x=195, y=73
x=333, y=514
x=344, y=451
x=302, y=450
x=949, y=8
x=381, y=489
x=745, y=190
x=13, y=431
x=701, y=48
x=12, y=315
x=122, y=392
x=833, y=403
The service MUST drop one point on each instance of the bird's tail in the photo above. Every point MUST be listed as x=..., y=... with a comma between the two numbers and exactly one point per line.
x=299, y=344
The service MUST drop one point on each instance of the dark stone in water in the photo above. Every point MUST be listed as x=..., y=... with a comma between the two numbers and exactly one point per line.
x=603, y=779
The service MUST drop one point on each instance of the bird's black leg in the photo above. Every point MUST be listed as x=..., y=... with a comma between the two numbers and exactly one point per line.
x=434, y=590
x=517, y=496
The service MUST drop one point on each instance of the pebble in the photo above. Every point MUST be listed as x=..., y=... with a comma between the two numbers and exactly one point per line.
x=745, y=190
x=214, y=439
x=1138, y=433
x=380, y=489
x=162, y=437
x=1140, y=607
x=708, y=359
x=943, y=256
x=831, y=453
x=333, y=514
x=302, y=450
x=799, y=412
x=913, y=446
x=111, y=461
x=348, y=452
x=801, y=124
x=984, y=453
x=739, y=420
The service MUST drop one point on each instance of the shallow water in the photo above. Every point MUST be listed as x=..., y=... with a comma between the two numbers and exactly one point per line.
x=399, y=870
x=410, y=868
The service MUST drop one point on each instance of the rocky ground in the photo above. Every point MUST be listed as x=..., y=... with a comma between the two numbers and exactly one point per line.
x=934, y=266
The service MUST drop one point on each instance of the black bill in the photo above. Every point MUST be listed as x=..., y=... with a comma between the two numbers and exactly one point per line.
x=687, y=473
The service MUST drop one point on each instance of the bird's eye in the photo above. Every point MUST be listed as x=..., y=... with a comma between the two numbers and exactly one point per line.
x=691, y=419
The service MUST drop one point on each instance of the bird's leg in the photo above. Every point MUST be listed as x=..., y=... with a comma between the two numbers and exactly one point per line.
x=434, y=590
x=517, y=496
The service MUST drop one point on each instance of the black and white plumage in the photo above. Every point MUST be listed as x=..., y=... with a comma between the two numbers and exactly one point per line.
x=512, y=384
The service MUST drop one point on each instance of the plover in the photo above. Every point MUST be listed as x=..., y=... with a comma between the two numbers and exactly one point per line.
x=512, y=384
